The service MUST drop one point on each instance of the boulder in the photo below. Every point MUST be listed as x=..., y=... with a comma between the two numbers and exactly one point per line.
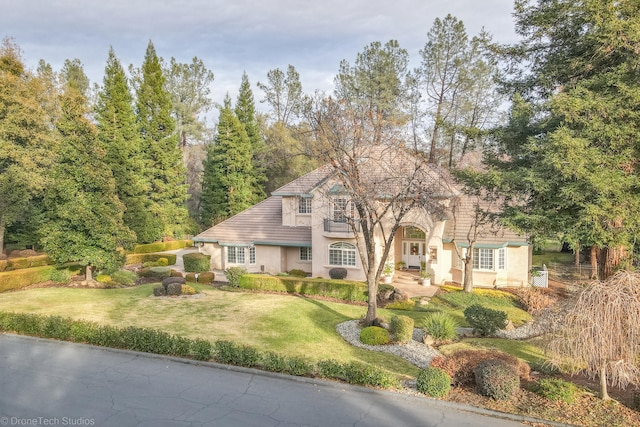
x=169, y=280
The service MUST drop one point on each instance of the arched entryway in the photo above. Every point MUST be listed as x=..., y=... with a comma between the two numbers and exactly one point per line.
x=413, y=246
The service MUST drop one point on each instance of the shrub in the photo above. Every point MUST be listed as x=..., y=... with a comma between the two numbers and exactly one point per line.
x=361, y=374
x=433, y=382
x=331, y=369
x=159, y=272
x=201, y=349
x=441, y=326
x=234, y=354
x=163, y=262
x=190, y=277
x=161, y=246
x=149, y=260
x=289, y=365
x=297, y=273
x=103, y=278
x=61, y=275
x=533, y=300
x=460, y=365
x=338, y=273
x=234, y=274
x=484, y=320
x=556, y=389
x=207, y=277
x=176, y=273
x=402, y=328
x=174, y=289
x=374, y=335
x=188, y=290
x=338, y=289
x=21, y=278
x=496, y=379
x=407, y=305
x=196, y=262
x=124, y=277
x=159, y=291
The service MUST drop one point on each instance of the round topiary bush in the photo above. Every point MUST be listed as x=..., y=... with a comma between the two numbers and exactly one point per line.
x=433, y=382
x=374, y=335
x=497, y=379
x=176, y=273
x=338, y=273
x=401, y=328
x=190, y=277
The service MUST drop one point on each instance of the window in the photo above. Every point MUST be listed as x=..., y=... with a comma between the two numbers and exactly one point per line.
x=304, y=205
x=342, y=254
x=340, y=209
x=414, y=233
x=235, y=255
x=252, y=255
x=489, y=259
x=305, y=254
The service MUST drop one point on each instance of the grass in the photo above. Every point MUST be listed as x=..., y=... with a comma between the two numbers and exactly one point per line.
x=283, y=324
x=553, y=257
x=453, y=301
x=530, y=351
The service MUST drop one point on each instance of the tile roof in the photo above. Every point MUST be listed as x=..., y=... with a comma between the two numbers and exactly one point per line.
x=457, y=227
x=258, y=225
x=306, y=183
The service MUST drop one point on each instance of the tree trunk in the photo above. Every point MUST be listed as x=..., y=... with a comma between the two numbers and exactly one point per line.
x=609, y=260
x=604, y=395
x=87, y=273
x=2, y=228
x=577, y=254
x=594, y=262
x=467, y=284
x=372, y=300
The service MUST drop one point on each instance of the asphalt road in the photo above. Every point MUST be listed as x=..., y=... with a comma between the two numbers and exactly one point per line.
x=46, y=382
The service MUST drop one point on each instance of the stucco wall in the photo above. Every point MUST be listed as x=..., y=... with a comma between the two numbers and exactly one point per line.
x=290, y=215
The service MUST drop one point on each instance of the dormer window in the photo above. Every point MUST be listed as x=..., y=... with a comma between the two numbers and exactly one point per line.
x=304, y=205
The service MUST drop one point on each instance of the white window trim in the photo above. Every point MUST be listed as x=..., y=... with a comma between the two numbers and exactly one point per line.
x=343, y=247
x=239, y=255
x=252, y=255
x=309, y=256
x=498, y=259
x=304, y=204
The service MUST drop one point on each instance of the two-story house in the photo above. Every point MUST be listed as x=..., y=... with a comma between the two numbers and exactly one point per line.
x=303, y=226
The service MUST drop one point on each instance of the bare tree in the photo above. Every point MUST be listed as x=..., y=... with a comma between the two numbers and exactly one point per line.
x=599, y=333
x=383, y=181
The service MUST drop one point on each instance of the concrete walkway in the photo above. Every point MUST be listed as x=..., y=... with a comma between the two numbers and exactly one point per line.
x=408, y=281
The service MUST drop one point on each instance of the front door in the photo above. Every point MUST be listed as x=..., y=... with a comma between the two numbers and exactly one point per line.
x=413, y=253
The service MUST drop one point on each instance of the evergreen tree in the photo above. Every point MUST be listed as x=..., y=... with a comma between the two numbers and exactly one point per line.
x=228, y=182
x=246, y=113
x=168, y=191
x=120, y=139
x=84, y=216
x=25, y=137
x=568, y=158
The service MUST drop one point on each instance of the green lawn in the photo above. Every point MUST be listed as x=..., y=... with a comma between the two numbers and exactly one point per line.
x=288, y=325
x=284, y=324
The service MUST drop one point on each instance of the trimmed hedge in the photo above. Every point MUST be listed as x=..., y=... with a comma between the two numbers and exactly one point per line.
x=497, y=379
x=143, y=258
x=196, y=262
x=339, y=289
x=433, y=382
x=25, y=277
x=12, y=264
x=161, y=246
x=159, y=342
x=374, y=335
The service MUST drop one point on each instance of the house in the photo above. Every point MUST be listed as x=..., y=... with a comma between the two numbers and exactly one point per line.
x=302, y=225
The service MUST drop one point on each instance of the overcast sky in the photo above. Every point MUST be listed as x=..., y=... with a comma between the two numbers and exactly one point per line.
x=236, y=35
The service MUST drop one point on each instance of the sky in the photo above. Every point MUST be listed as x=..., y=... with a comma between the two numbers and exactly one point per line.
x=236, y=35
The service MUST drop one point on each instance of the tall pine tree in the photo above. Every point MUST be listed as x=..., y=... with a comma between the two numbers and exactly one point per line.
x=84, y=216
x=228, y=182
x=246, y=112
x=120, y=138
x=167, y=176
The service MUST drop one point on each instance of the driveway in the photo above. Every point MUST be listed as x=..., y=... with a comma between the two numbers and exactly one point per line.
x=46, y=382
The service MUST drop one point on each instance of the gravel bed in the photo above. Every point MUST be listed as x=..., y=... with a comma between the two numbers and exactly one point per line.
x=415, y=352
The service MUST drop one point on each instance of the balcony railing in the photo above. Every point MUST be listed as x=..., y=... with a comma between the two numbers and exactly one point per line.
x=333, y=226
